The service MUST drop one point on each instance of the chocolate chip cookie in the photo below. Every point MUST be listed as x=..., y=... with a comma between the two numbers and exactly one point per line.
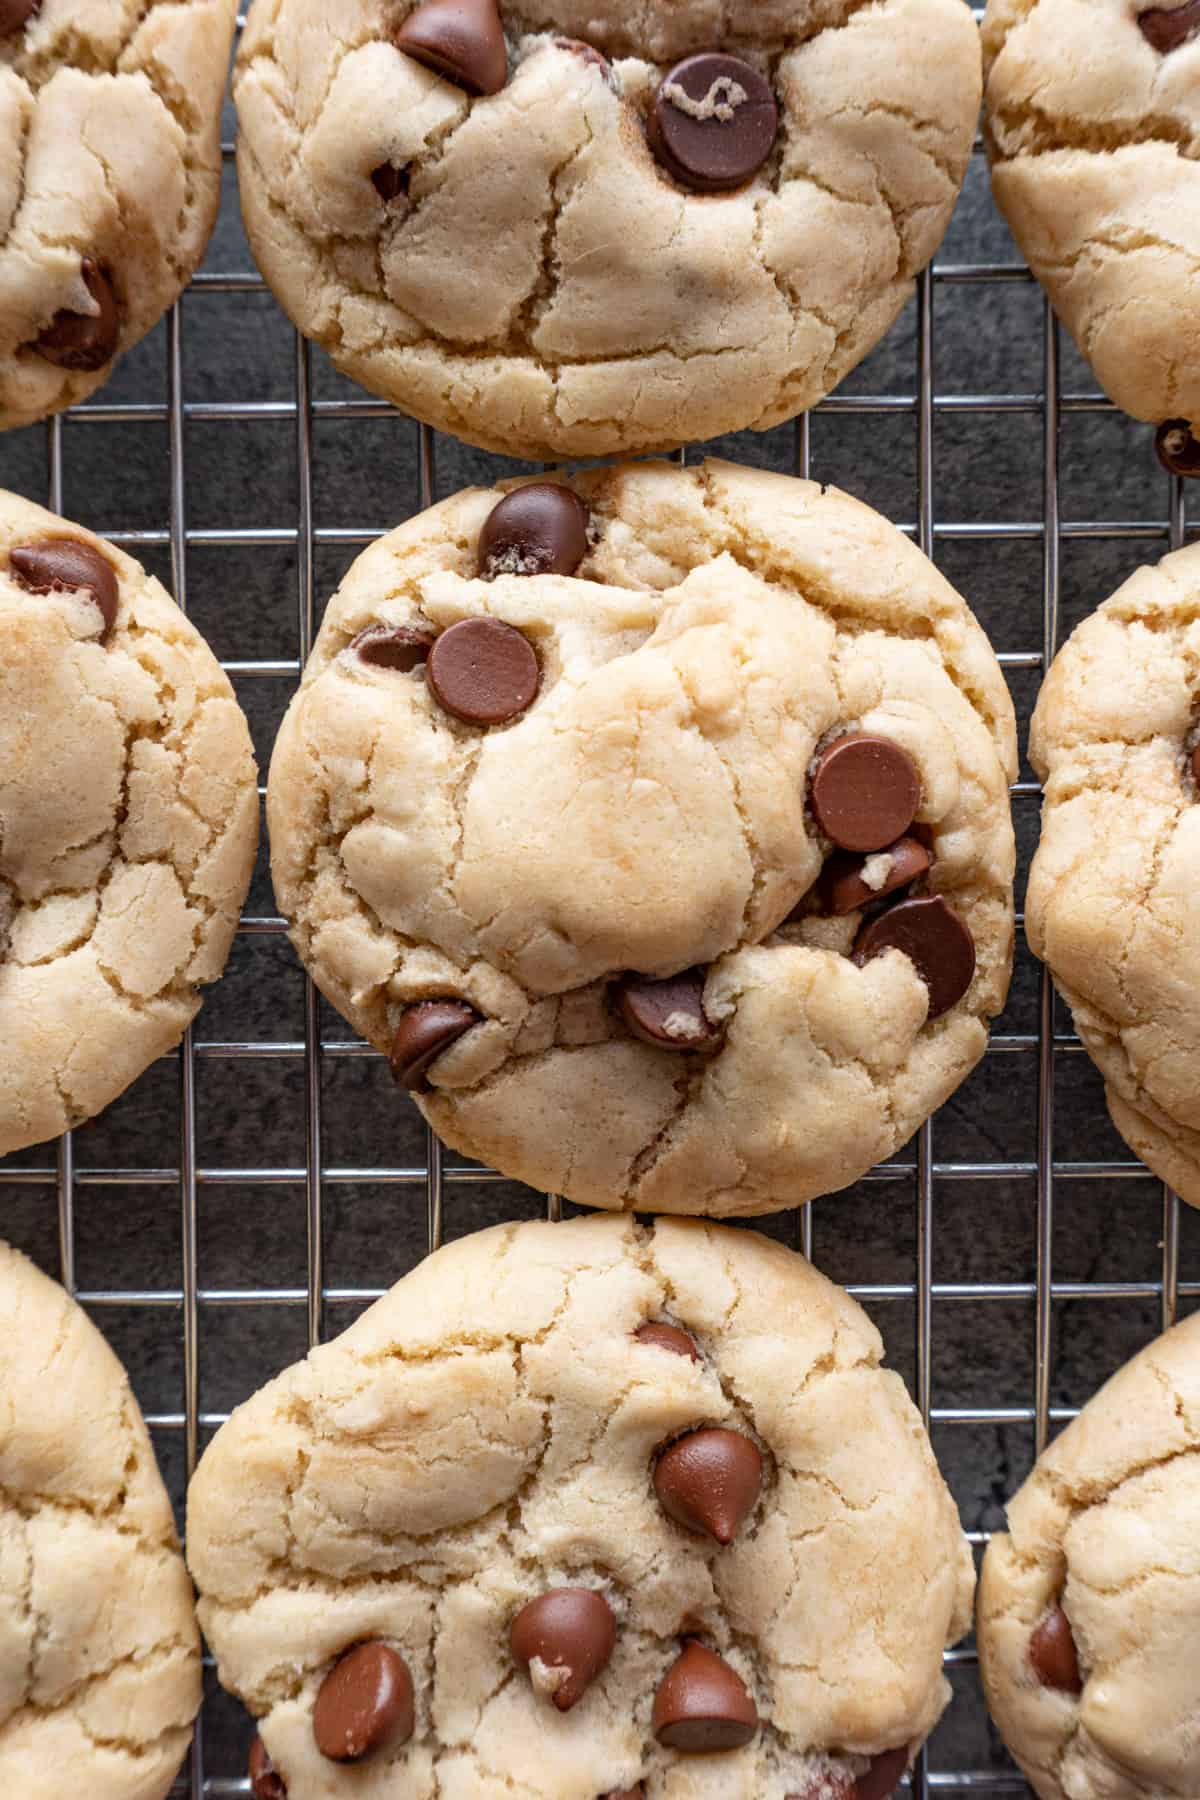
x=584, y=227
x=128, y=822
x=1112, y=904
x=582, y=1511
x=656, y=826
x=110, y=172
x=99, y=1652
x=1092, y=131
x=1088, y=1608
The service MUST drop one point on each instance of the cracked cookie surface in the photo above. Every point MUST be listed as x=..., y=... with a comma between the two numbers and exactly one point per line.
x=648, y=816
x=518, y=269
x=1112, y=907
x=488, y=1432
x=99, y=1652
x=1102, y=1542
x=1093, y=131
x=128, y=823
x=110, y=172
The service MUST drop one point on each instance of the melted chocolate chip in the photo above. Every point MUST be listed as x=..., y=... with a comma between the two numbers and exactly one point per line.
x=266, y=1783
x=397, y=647
x=483, y=672
x=1177, y=450
x=1053, y=1654
x=865, y=791
x=461, y=40
x=571, y=1630
x=702, y=1704
x=424, y=1032
x=669, y=1014
x=667, y=1337
x=884, y=1775
x=65, y=565
x=934, y=939
x=390, y=182
x=710, y=1481
x=365, y=1703
x=713, y=123
x=76, y=340
x=1165, y=28
x=844, y=887
x=1195, y=765
x=16, y=13
x=541, y=529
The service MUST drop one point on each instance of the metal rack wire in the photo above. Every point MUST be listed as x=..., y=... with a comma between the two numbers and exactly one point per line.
x=180, y=1184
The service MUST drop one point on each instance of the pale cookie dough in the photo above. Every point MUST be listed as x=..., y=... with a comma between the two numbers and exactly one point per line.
x=1113, y=905
x=491, y=1430
x=1093, y=132
x=649, y=814
x=128, y=828
x=1102, y=1562
x=110, y=166
x=99, y=1652
x=528, y=276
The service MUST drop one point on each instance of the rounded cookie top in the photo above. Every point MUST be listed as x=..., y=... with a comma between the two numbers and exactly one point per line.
x=1087, y=1607
x=128, y=822
x=1093, y=129
x=714, y=914
x=99, y=1652
x=573, y=1506
x=110, y=170
x=585, y=227
x=1112, y=904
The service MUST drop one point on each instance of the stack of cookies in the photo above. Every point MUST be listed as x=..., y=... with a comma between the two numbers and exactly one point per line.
x=653, y=822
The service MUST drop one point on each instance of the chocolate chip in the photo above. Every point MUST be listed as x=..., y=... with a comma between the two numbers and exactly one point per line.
x=1053, y=1655
x=844, y=887
x=424, y=1032
x=934, y=939
x=667, y=1337
x=266, y=1783
x=75, y=340
x=865, y=791
x=569, y=1629
x=710, y=1481
x=484, y=672
x=15, y=13
x=462, y=40
x=702, y=1704
x=365, y=1702
x=884, y=1775
x=669, y=1014
x=397, y=647
x=1166, y=28
x=66, y=564
x=390, y=182
x=1196, y=765
x=536, y=530
x=1177, y=450
x=713, y=123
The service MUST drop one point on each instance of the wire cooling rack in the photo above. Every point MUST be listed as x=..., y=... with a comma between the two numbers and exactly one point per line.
x=255, y=1191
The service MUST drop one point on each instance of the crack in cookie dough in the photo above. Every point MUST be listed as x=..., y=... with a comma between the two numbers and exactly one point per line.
x=1110, y=906
x=543, y=287
x=128, y=828
x=488, y=1432
x=1093, y=136
x=1104, y=1528
x=647, y=815
x=110, y=151
x=99, y=1652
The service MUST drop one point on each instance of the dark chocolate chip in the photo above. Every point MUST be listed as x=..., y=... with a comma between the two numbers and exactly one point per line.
x=844, y=888
x=1053, y=1655
x=1165, y=28
x=266, y=1783
x=669, y=1014
x=424, y=1032
x=483, y=672
x=702, y=1704
x=15, y=13
x=1177, y=450
x=934, y=939
x=713, y=123
x=1196, y=765
x=76, y=340
x=390, y=182
x=884, y=1775
x=865, y=791
x=66, y=564
x=569, y=1629
x=710, y=1481
x=536, y=530
x=667, y=1337
x=365, y=1703
x=397, y=647
x=462, y=40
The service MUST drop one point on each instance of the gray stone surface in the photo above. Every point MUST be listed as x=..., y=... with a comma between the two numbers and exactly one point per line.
x=249, y=1114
